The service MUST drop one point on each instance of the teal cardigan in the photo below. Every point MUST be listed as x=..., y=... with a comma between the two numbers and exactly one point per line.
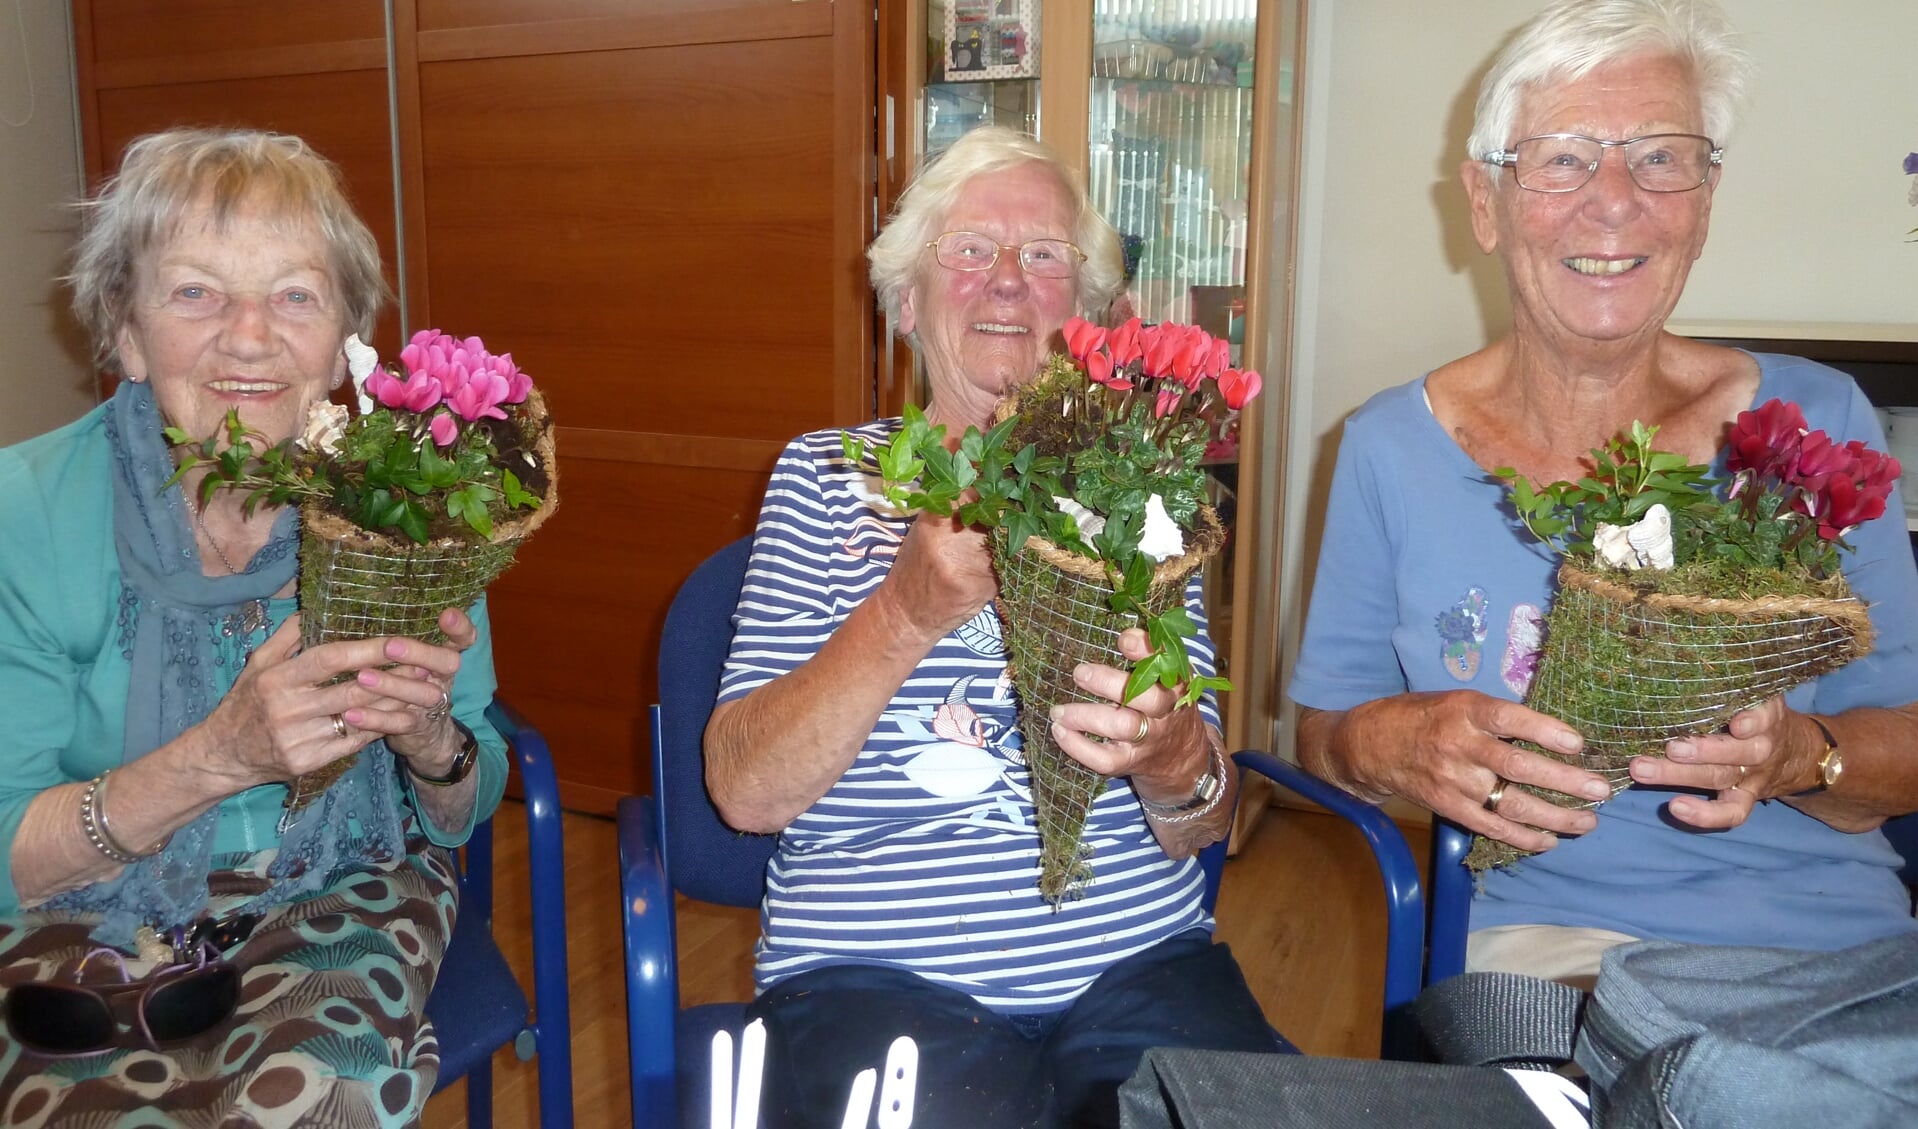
x=63, y=675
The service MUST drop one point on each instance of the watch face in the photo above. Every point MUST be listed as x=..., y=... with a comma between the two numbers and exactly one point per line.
x=1833, y=768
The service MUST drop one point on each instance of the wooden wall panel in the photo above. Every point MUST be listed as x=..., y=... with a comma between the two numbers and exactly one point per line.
x=578, y=618
x=671, y=279
x=178, y=32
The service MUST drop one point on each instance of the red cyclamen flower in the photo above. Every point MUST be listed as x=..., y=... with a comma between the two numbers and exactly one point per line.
x=1766, y=439
x=1237, y=388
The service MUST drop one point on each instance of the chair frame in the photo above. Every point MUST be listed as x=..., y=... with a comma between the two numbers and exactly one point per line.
x=547, y=1031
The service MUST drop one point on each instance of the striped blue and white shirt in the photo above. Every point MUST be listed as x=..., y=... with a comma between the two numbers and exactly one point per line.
x=924, y=856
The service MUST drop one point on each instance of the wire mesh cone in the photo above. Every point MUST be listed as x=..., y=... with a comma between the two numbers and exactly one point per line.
x=356, y=584
x=1056, y=613
x=1631, y=671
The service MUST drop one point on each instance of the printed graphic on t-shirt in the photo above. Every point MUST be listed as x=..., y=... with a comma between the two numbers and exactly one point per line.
x=1461, y=631
x=1524, y=639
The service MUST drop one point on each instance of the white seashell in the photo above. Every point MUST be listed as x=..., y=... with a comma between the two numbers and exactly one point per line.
x=361, y=360
x=1651, y=538
x=953, y=770
x=1160, y=539
x=1090, y=523
x=1646, y=543
x=325, y=426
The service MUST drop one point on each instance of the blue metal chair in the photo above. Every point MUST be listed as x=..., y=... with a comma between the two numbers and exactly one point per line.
x=674, y=840
x=477, y=1006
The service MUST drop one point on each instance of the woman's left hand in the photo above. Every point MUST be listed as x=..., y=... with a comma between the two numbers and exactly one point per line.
x=1161, y=748
x=415, y=710
x=1755, y=759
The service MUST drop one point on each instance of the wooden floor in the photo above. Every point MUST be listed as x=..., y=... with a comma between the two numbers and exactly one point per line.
x=1300, y=905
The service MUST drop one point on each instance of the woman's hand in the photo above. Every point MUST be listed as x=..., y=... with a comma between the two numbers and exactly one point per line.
x=1161, y=748
x=1449, y=751
x=414, y=711
x=941, y=577
x=1756, y=758
x=284, y=716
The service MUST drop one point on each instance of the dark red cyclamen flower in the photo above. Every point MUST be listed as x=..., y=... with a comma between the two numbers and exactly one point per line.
x=1845, y=504
x=1766, y=439
x=1818, y=459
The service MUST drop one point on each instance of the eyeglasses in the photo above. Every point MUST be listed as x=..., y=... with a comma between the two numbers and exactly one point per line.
x=1564, y=162
x=174, y=1004
x=1040, y=258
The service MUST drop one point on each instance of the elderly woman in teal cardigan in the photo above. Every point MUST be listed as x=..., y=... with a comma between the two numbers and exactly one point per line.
x=157, y=699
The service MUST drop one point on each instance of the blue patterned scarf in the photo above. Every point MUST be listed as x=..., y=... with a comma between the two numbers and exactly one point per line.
x=172, y=618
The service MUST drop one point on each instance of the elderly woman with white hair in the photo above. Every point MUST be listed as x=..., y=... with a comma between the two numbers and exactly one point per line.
x=174, y=940
x=866, y=717
x=1597, y=148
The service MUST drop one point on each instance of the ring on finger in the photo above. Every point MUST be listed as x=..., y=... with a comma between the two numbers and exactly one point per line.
x=339, y=726
x=1145, y=726
x=1496, y=794
x=445, y=706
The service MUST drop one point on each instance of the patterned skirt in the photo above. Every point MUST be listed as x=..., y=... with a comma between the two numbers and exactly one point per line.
x=330, y=1028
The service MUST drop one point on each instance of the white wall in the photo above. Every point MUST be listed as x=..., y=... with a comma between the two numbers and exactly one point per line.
x=1808, y=223
x=45, y=379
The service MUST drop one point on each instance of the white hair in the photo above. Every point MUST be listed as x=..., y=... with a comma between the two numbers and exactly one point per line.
x=897, y=255
x=1571, y=38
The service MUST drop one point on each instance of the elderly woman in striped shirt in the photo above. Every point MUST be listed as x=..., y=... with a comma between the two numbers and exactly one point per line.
x=866, y=718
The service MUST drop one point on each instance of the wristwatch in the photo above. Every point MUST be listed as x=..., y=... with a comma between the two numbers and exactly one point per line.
x=1831, y=766
x=462, y=764
x=1206, y=791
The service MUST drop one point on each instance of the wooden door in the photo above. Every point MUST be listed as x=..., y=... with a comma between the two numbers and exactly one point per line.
x=659, y=208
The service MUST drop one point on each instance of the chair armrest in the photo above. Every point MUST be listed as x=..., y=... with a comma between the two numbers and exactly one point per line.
x=652, y=963
x=546, y=870
x=1452, y=888
x=1398, y=870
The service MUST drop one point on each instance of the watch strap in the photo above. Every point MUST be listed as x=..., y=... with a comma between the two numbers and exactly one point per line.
x=1206, y=793
x=462, y=764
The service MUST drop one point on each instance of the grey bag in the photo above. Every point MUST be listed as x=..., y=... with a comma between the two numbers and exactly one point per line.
x=1708, y=1037
x=1704, y=1036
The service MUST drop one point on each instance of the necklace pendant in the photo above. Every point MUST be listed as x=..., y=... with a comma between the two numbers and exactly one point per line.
x=252, y=618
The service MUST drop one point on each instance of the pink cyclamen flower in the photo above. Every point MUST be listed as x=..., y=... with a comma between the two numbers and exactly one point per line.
x=1124, y=342
x=481, y=395
x=1098, y=368
x=445, y=429
x=1168, y=402
x=1237, y=388
x=1082, y=337
x=418, y=393
x=518, y=384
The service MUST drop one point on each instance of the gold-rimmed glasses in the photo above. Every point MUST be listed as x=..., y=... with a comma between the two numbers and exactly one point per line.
x=1040, y=258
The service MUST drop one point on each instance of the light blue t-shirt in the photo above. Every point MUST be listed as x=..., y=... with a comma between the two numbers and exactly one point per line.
x=1426, y=583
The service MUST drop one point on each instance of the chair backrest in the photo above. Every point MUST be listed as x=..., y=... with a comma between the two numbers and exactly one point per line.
x=705, y=859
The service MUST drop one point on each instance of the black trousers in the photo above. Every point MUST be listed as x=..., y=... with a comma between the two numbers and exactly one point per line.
x=979, y=1069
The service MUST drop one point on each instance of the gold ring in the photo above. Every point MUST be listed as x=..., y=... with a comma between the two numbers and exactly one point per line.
x=1145, y=726
x=1496, y=794
x=339, y=725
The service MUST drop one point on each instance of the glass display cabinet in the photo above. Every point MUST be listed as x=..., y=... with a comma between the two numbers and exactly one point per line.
x=1180, y=115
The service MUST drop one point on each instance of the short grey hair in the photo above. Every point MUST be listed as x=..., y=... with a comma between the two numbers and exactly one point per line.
x=896, y=257
x=1571, y=38
x=164, y=175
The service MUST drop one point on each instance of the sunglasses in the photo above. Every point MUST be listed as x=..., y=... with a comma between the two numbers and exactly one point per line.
x=174, y=1004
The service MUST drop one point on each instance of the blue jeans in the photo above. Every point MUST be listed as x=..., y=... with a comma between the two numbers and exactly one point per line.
x=978, y=1068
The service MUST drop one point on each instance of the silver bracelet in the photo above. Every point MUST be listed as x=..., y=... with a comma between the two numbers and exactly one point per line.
x=94, y=823
x=1180, y=813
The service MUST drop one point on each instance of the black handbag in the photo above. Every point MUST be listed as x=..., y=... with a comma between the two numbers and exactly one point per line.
x=1192, y=1089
